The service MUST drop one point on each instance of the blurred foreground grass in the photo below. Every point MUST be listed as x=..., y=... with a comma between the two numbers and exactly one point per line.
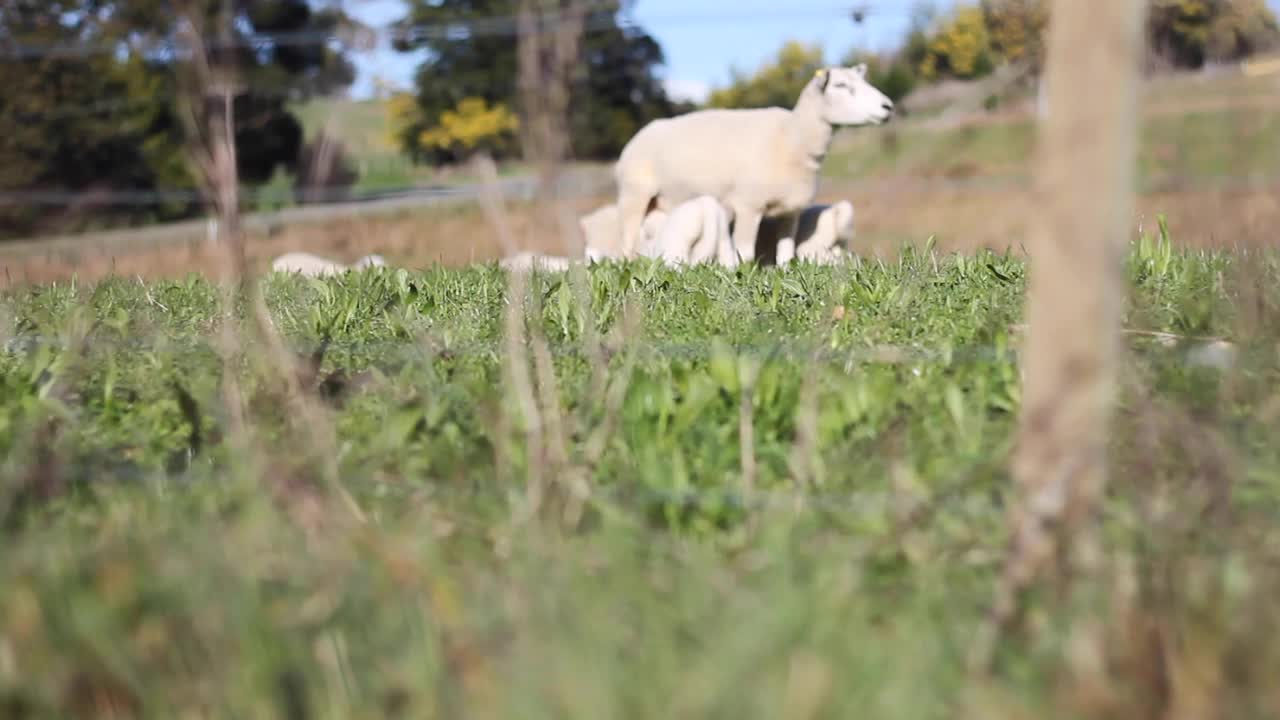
x=373, y=552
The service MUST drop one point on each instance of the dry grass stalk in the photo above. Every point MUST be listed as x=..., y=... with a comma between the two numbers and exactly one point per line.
x=547, y=65
x=515, y=358
x=547, y=60
x=1088, y=154
x=748, y=369
x=548, y=459
x=617, y=390
x=212, y=149
x=305, y=408
x=805, y=463
x=210, y=127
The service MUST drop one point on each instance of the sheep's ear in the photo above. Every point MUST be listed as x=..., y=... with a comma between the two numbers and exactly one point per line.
x=861, y=69
x=823, y=76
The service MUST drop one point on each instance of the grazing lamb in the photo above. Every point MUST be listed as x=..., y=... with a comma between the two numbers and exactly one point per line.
x=525, y=261
x=316, y=266
x=600, y=230
x=822, y=234
x=693, y=232
x=758, y=163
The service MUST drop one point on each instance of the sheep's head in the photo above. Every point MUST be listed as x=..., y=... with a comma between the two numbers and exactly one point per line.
x=848, y=99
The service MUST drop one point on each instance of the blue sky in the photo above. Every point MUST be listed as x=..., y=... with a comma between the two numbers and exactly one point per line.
x=702, y=39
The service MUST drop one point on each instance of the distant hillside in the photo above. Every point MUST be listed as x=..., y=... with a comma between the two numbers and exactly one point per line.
x=363, y=127
x=1197, y=127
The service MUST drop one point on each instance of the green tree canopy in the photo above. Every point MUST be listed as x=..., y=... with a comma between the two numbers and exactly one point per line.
x=1189, y=33
x=90, y=99
x=777, y=83
x=616, y=90
x=1017, y=30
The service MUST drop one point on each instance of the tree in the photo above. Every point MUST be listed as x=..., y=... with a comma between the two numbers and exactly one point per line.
x=75, y=123
x=1189, y=33
x=615, y=91
x=325, y=169
x=775, y=84
x=103, y=118
x=1016, y=29
x=959, y=48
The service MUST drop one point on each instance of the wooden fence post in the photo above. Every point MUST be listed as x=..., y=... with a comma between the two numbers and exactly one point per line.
x=1087, y=147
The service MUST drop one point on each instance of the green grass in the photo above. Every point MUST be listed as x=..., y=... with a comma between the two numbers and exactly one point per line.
x=150, y=563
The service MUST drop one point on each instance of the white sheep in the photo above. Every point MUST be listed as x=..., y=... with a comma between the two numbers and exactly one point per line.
x=316, y=266
x=600, y=230
x=823, y=234
x=758, y=162
x=693, y=232
x=525, y=261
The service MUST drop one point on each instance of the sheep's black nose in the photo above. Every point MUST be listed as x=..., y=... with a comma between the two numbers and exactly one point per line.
x=888, y=106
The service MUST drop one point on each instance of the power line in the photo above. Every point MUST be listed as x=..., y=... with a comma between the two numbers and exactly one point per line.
x=356, y=41
x=106, y=107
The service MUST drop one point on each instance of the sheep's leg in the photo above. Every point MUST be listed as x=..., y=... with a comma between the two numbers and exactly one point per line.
x=674, y=248
x=677, y=239
x=746, y=228
x=695, y=246
x=786, y=251
x=725, y=254
x=708, y=244
x=632, y=208
x=721, y=240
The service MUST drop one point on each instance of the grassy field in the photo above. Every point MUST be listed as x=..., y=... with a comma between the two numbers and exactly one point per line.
x=706, y=494
x=363, y=128
x=1209, y=153
x=1194, y=130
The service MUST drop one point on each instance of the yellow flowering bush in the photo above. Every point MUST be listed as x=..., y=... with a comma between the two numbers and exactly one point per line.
x=473, y=124
x=961, y=48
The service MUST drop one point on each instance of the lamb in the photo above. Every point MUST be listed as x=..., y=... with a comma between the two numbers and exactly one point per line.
x=823, y=233
x=525, y=261
x=757, y=163
x=600, y=230
x=693, y=232
x=316, y=266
